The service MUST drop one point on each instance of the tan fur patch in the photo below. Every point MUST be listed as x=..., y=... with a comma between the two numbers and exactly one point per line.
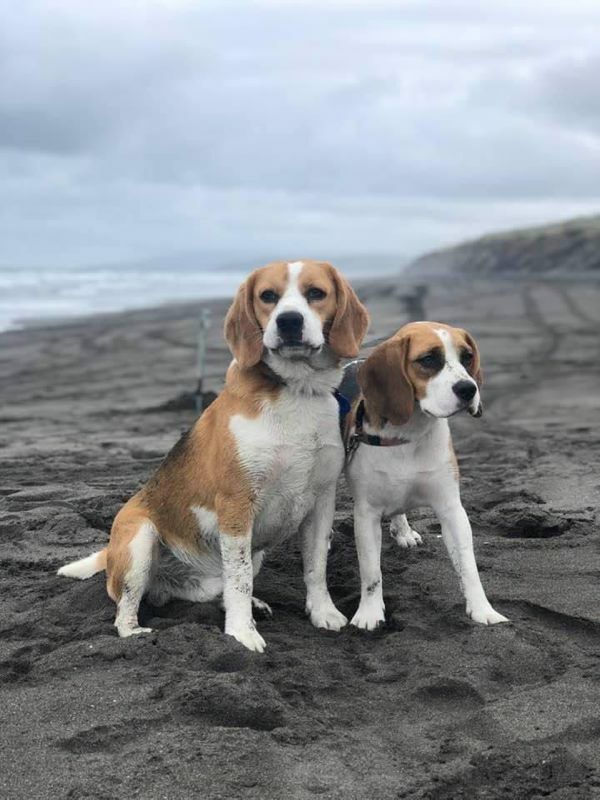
x=318, y=275
x=274, y=276
x=386, y=384
x=125, y=526
x=422, y=338
x=202, y=469
x=205, y=470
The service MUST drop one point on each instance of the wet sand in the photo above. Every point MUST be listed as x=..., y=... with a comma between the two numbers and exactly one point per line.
x=432, y=706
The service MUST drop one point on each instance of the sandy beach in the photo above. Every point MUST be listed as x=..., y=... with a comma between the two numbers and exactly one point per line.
x=431, y=707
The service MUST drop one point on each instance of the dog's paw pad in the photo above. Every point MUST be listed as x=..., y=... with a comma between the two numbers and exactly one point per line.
x=124, y=633
x=486, y=615
x=327, y=616
x=249, y=637
x=368, y=619
x=406, y=539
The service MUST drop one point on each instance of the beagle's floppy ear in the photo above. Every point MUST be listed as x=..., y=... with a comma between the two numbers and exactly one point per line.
x=351, y=319
x=475, y=368
x=384, y=382
x=242, y=331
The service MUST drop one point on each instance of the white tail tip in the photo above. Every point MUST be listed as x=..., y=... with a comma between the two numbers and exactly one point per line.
x=84, y=568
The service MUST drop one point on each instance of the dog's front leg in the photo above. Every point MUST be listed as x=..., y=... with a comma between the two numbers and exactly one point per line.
x=458, y=538
x=316, y=533
x=367, y=532
x=236, y=555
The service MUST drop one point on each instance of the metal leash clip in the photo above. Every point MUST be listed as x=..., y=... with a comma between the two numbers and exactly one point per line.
x=352, y=446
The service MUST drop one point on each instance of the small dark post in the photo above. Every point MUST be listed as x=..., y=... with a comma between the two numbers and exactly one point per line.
x=203, y=329
x=414, y=303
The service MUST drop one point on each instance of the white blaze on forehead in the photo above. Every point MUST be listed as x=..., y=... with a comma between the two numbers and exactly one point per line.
x=447, y=342
x=453, y=362
x=292, y=291
x=293, y=300
x=452, y=353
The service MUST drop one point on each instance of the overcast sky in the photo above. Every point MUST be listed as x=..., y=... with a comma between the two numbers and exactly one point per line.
x=130, y=130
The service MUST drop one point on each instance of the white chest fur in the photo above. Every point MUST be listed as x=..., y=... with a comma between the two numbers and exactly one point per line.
x=292, y=451
x=395, y=479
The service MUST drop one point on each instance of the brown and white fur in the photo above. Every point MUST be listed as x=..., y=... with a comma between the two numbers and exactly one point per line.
x=260, y=464
x=410, y=385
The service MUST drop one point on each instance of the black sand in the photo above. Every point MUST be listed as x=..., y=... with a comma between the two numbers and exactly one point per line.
x=432, y=706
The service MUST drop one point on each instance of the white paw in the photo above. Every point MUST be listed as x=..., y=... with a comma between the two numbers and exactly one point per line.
x=485, y=615
x=325, y=615
x=406, y=539
x=125, y=631
x=261, y=606
x=369, y=616
x=249, y=637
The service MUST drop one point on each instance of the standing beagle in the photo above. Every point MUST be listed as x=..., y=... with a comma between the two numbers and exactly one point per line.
x=403, y=454
x=261, y=463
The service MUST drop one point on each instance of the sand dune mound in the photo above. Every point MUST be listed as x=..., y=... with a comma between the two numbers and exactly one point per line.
x=565, y=248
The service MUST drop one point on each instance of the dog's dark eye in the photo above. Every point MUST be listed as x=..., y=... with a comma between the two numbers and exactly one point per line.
x=466, y=358
x=269, y=296
x=430, y=361
x=315, y=293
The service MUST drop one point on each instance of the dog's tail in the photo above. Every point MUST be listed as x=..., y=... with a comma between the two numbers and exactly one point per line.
x=85, y=567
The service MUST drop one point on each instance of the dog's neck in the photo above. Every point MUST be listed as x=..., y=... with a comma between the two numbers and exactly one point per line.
x=417, y=426
x=319, y=374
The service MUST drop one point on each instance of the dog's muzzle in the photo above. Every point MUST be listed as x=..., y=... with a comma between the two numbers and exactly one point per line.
x=465, y=391
x=290, y=326
x=290, y=335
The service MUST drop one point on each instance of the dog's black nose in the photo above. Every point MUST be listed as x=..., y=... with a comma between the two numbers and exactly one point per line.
x=289, y=325
x=464, y=390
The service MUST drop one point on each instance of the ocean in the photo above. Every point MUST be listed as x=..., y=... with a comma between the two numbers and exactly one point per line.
x=43, y=293
x=48, y=293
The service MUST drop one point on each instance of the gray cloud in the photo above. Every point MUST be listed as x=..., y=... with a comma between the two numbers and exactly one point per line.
x=131, y=130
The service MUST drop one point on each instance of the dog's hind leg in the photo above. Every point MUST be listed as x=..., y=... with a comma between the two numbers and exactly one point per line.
x=402, y=533
x=257, y=561
x=259, y=605
x=130, y=565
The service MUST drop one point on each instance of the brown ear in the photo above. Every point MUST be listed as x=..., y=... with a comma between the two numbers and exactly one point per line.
x=351, y=320
x=475, y=368
x=384, y=381
x=242, y=331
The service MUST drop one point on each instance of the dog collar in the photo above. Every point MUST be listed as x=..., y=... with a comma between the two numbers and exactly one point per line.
x=359, y=436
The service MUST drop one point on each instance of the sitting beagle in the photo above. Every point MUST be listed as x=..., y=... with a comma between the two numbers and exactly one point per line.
x=261, y=463
x=401, y=455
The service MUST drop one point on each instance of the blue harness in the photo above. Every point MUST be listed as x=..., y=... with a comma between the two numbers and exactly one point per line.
x=344, y=408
